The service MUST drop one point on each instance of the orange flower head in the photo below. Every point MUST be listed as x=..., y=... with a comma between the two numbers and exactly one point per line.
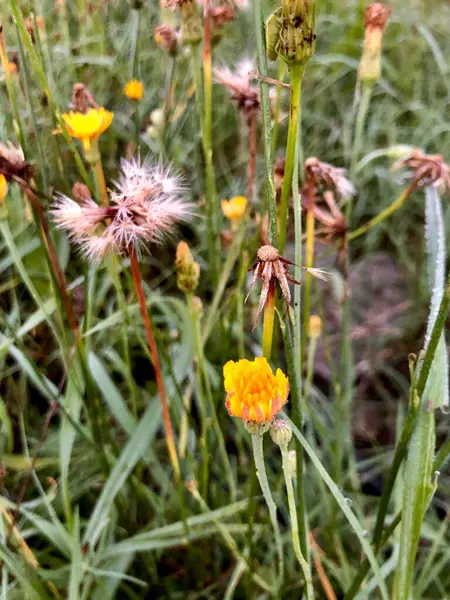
x=254, y=393
x=88, y=126
x=134, y=90
x=235, y=208
x=3, y=188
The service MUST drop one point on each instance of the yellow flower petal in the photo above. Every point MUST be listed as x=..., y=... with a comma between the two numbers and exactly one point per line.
x=234, y=209
x=254, y=393
x=3, y=188
x=134, y=90
x=88, y=126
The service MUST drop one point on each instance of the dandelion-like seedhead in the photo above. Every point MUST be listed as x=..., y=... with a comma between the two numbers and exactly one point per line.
x=328, y=176
x=145, y=207
x=237, y=83
x=426, y=169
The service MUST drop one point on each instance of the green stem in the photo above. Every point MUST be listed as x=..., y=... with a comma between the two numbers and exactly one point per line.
x=266, y=120
x=384, y=214
x=294, y=524
x=258, y=455
x=269, y=320
x=296, y=75
x=363, y=109
x=276, y=112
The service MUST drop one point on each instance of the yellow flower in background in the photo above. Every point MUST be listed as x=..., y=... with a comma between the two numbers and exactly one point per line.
x=11, y=67
x=134, y=90
x=3, y=188
x=234, y=209
x=314, y=326
x=88, y=126
x=254, y=393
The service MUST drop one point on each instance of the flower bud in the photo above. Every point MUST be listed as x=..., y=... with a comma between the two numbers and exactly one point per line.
x=314, y=327
x=188, y=271
x=191, y=22
x=281, y=433
x=375, y=20
x=291, y=32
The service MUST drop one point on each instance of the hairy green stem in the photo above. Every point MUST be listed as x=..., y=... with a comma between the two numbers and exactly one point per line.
x=258, y=455
x=296, y=75
x=294, y=524
x=266, y=120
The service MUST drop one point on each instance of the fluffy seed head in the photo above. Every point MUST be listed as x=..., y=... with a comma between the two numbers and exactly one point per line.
x=237, y=83
x=145, y=207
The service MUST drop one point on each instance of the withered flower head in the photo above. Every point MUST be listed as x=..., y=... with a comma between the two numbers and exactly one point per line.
x=327, y=176
x=82, y=99
x=271, y=267
x=145, y=207
x=221, y=15
x=13, y=163
x=375, y=19
x=427, y=169
x=80, y=192
x=167, y=38
x=334, y=224
x=237, y=83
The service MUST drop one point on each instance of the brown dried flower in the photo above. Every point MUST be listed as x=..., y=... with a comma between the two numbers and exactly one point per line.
x=221, y=15
x=238, y=85
x=82, y=99
x=375, y=19
x=13, y=164
x=327, y=176
x=427, y=169
x=271, y=267
x=376, y=16
x=167, y=37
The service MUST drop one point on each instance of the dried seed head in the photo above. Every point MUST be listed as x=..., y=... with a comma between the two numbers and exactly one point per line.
x=375, y=20
x=82, y=99
x=427, y=169
x=13, y=163
x=237, y=83
x=167, y=38
x=328, y=176
x=145, y=207
x=268, y=253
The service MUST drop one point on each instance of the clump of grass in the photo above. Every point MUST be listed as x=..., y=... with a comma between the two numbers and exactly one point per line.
x=121, y=474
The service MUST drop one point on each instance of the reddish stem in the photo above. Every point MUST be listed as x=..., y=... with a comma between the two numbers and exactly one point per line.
x=155, y=359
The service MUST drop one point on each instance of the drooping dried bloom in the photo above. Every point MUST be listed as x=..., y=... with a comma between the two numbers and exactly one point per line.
x=134, y=90
x=254, y=393
x=188, y=270
x=427, y=169
x=82, y=99
x=167, y=38
x=3, y=188
x=326, y=176
x=375, y=19
x=334, y=224
x=272, y=268
x=13, y=163
x=220, y=16
x=237, y=83
x=234, y=209
x=145, y=207
x=89, y=126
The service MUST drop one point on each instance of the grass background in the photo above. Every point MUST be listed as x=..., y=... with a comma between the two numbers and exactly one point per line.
x=92, y=42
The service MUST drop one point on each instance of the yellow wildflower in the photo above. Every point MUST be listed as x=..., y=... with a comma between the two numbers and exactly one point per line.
x=234, y=209
x=11, y=67
x=88, y=126
x=254, y=393
x=134, y=90
x=3, y=188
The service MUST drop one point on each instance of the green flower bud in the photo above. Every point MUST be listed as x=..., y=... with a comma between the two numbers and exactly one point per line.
x=188, y=271
x=255, y=428
x=281, y=433
x=191, y=22
x=291, y=32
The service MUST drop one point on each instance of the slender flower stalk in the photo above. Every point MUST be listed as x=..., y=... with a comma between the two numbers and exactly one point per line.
x=309, y=255
x=296, y=76
x=268, y=320
x=281, y=434
x=170, y=440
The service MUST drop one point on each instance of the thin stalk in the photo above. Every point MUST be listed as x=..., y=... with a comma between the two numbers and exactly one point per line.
x=251, y=189
x=266, y=120
x=309, y=261
x=363, y=109
x=296, y=75
x=294, y=524
x=137, y=279
x=258, y=455
x=17, y=121
x=207, y=386
x=384, y=214
x=269, y=320
x=276, y=112
x=100, y=183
